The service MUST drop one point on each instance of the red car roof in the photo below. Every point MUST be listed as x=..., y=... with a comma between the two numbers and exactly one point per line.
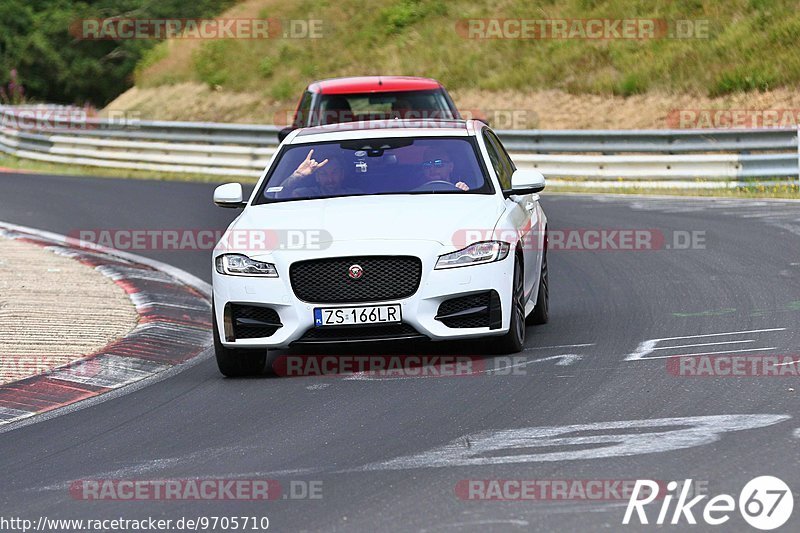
x=373, y=84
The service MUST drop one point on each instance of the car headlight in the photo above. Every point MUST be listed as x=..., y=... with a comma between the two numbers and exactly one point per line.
x=241, y=265
x=474, y=254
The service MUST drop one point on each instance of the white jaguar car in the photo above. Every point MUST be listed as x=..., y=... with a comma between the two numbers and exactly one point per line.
x=388, y=230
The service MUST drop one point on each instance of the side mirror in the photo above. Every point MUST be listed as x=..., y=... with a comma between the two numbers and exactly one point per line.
x=526, y=181
x=284, y=132
x=229, y=195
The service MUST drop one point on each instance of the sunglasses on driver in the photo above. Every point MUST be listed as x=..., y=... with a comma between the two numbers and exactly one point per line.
x=437, y=163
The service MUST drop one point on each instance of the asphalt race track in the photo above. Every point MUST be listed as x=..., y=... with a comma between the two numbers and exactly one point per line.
x=389, y=453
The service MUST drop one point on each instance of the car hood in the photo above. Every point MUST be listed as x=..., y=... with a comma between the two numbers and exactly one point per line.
x=443, y=218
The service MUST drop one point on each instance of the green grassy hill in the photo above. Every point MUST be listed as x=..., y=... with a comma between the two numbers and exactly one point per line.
x=752, y=45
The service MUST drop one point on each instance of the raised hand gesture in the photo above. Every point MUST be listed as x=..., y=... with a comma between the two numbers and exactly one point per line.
x=309, y=165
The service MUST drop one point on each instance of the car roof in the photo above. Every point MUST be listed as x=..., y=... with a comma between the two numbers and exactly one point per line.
x=386, y=128
x=373, y=84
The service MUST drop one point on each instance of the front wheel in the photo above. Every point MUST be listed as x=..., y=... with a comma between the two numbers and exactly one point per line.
x=237, y=362
x=514, y=340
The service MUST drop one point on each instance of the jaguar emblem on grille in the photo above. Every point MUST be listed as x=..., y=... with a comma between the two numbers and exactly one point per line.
x=355, y=271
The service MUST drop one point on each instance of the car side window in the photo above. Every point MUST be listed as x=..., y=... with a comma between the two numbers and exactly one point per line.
x=501, y=163
x=303, y=111
x=501, y=150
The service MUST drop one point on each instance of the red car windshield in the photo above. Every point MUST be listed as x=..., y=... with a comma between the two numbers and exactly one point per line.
x=415, y=105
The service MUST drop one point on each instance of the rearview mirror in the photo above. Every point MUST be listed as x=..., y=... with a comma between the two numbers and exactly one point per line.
x=284, y=132
x=526, y=181
x=229, y=195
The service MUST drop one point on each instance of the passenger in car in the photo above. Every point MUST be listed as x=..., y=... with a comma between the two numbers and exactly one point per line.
x=438, y=166
x=329, y=174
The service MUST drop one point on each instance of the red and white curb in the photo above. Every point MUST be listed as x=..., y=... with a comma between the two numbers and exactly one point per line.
x=174, y=327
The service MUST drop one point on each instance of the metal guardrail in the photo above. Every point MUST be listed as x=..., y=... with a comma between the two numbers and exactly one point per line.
x=658, y=141
x=66, y=135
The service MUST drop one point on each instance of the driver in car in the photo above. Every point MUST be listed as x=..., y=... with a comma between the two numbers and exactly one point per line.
x=438, y=166
x=329, y=174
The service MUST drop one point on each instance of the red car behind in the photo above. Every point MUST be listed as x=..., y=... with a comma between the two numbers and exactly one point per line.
x=371, y=98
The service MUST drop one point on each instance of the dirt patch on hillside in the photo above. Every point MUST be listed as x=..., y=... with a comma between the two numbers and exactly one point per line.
x=504, y=110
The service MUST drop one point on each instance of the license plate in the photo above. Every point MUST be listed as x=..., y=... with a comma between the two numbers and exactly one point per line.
x=371, y=314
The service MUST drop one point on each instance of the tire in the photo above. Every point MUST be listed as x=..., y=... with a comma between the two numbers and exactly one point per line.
x=541, y=313
x=236, y=363
x=514, y=340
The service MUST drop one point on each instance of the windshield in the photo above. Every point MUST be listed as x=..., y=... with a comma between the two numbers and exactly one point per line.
x=431, y=165
x=414, y=105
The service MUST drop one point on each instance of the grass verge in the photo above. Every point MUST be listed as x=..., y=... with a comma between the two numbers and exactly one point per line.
x=791, y=192
x=43, y=167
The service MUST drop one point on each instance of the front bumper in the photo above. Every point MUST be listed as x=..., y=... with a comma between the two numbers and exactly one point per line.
x=418, y=311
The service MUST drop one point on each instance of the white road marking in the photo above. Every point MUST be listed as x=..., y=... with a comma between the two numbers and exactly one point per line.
x=708, y=353
x=650, y=345
x=373, y=376
x=150, y=467
x=362, y=376
x=796, y=433
x=487, y=447
x=558, y=346
x=564, y=360
x=461, y=525
x=703, y=344
x=720, y=334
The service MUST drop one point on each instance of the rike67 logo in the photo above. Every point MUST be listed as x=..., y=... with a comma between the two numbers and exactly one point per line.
x=765, y=503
